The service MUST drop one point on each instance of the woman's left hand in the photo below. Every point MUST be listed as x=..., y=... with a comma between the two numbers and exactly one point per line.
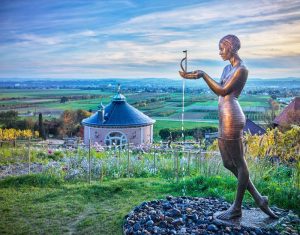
x=192, y=75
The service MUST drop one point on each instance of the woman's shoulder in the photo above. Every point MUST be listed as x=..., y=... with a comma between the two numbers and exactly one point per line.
x=241, y=72
x=242, y=66
x=241, y=69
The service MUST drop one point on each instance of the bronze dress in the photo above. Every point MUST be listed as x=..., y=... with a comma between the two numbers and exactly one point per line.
x=231, y=117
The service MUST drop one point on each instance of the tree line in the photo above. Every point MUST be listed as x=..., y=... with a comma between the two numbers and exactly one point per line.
x=197, y=133
x=68, y=124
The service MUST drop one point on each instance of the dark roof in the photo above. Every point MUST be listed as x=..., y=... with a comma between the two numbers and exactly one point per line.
x=284, y=117
x=118, y=114
x=253, y=128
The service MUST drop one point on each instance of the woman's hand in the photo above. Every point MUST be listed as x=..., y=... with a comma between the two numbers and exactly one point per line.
x=192, y=75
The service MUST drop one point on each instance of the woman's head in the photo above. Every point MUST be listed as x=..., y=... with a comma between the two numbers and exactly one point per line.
x=229, y=45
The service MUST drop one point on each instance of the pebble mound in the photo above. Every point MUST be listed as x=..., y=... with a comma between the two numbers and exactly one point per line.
x=191, y=215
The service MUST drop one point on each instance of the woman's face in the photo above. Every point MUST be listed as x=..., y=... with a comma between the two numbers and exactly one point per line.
x=225, y=51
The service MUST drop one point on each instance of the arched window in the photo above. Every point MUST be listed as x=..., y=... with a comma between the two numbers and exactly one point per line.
x=115, y=138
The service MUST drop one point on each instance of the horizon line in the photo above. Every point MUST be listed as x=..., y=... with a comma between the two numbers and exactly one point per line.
x=9, y=79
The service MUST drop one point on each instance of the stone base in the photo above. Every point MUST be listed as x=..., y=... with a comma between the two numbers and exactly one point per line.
x=253, y=218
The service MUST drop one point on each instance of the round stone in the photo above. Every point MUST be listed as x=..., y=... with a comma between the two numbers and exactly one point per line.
x=174, y=213
x=212, y=228
x=149, y=223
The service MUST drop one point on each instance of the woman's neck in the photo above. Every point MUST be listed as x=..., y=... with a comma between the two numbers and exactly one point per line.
x=235, y=60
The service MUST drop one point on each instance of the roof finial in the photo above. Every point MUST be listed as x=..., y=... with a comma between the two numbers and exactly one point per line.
x=101, y=106
x=119, y=88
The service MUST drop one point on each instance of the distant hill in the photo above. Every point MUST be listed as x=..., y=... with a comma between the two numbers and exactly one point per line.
x=252, y=83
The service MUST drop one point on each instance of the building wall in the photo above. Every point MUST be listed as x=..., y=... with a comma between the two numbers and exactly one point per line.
x=136, y=135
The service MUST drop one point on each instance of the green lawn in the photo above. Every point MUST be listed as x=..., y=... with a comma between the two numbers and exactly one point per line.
x=40, y=204
x=74, y=208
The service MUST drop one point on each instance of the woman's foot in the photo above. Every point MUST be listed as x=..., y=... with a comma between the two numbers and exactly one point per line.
x=231, y=213
x=264, y=206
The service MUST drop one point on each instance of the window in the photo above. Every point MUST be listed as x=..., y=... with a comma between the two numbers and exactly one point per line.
x=115, y=138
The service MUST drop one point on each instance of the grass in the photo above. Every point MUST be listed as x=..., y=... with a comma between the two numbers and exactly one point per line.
x=49, y=204
x=39, y=204
x=73, y=207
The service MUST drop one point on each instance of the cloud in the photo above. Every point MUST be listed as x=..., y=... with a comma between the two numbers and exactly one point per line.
x=39, y=39
x=124, y=40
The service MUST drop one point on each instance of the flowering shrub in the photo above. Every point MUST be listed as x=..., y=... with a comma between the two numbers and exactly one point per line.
x=282, y=145
x=13, y=134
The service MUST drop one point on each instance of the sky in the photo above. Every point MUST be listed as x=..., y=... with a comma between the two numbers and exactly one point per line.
x=145, y=38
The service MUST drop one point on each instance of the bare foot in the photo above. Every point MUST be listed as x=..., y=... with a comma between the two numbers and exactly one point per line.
x=264, y=206
x=230, y=214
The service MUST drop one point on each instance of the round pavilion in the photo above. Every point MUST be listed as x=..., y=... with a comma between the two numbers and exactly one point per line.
x=118, y=123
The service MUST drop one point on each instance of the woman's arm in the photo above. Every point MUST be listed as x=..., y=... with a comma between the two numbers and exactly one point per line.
x=238, y=78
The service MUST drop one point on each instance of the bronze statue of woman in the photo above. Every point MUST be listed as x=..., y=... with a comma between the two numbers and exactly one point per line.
x=231, y=123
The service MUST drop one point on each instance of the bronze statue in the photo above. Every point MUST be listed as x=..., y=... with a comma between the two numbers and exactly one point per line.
x=231, y=123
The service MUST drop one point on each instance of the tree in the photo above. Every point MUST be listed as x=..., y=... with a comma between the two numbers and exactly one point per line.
x=271, y=114
x=8, y=119
x=41, y=127
x=71, y=121
x=24, y=124
x=52, y=126
x=175, y=134
x=64, y=99
x=81, y=114
x=197, y=134
x=164, y=133
x=68, y=120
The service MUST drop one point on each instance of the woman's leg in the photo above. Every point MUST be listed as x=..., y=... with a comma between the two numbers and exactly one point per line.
x=229, y=163
x=232, y=151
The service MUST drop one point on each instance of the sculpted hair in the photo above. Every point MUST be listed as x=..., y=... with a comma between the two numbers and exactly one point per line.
x=232, y=41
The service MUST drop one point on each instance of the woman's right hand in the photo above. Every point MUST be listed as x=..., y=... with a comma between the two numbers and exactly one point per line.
x=191, y=75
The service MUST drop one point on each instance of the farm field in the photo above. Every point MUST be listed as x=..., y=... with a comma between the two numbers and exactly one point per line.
x=40, y=93
x=156, y=105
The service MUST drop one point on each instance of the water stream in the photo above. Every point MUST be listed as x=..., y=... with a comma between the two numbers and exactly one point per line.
x=182, y=132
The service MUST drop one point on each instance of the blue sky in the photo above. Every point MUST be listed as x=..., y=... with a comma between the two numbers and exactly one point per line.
x=136, y=39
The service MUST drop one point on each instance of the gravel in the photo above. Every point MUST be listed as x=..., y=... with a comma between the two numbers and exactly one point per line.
x=192, y=215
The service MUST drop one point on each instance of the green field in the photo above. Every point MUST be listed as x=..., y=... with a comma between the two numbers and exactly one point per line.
x=198, y=107
x=42, y=93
